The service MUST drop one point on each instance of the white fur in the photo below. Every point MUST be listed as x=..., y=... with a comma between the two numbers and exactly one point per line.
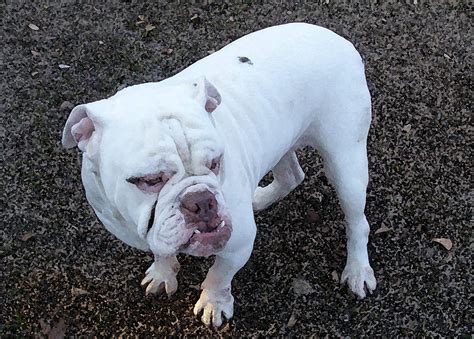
x=304, y=85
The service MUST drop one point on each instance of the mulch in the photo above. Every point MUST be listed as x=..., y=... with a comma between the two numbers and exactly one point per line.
x=62, y=273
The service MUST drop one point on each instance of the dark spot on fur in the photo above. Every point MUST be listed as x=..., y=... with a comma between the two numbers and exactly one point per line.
x=246, y=60
x=152, y=217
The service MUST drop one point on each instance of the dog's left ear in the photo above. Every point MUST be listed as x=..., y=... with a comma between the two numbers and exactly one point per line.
x=207, y=94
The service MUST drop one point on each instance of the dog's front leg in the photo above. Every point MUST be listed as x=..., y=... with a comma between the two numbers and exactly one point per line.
x=161, y=276
x=216, y=296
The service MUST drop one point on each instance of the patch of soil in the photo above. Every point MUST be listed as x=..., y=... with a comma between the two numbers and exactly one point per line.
x=61, y=271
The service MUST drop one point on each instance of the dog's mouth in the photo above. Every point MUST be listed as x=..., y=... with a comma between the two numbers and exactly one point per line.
x=206, y=225
x=207, y=238
x=204, y=237
x=203, y=231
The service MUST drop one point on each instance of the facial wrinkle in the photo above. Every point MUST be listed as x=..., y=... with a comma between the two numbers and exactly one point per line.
x=181, y=141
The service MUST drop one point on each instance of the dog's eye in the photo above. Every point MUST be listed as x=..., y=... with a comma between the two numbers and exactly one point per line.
x=150, y=183
x=215, y=164
x=154, y=181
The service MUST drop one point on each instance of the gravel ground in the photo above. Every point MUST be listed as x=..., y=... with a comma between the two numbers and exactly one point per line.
x=60, y=271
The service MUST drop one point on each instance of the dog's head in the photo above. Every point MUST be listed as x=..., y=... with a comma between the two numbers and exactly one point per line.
x=153, y=163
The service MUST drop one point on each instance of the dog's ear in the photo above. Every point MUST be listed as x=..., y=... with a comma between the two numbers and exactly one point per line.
x=207, y=94
x=82, y=124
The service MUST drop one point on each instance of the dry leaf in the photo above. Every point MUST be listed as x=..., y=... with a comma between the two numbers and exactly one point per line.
x=292, y=320
x=449, y=257
x=407, y=128
x=34, y=73
x=302, y=287
x=383, y=229
x=35, y=53
x=33, y=27
x=75, y=291
x=141, y=17
x=335, y=276
x=194, y=17
x=27, y=236
x=312, y=216
x=63, y=66
x=66, y=105
x=55, y=332
x=149, y=27
x=447, y=243
x=45, y=328
x=58, y=331
x=226, y=328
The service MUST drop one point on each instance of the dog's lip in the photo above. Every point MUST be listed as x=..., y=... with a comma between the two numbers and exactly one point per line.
x=198, y=236
x=198, y=227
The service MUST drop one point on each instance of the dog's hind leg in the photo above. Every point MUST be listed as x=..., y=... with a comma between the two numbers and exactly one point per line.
x=347, y=171
x=287, y=174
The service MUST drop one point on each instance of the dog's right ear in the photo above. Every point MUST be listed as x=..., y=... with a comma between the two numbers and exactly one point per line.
x=81, y=126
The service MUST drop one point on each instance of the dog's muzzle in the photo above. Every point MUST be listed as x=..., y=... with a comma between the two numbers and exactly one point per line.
x=211, y=229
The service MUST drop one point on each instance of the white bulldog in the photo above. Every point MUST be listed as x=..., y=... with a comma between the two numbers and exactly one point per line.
x=174, y=166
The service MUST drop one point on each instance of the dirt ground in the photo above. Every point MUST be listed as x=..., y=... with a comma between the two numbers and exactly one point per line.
x=61, y=272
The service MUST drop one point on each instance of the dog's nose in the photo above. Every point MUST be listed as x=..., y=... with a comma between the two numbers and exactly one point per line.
x=202, y=206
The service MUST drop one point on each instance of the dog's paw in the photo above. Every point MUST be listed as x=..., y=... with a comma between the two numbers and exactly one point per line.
x=161, y=278
x=213, y=304
x=359, y=278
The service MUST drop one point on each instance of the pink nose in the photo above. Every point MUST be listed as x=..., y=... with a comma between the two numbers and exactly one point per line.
x=200, y=206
